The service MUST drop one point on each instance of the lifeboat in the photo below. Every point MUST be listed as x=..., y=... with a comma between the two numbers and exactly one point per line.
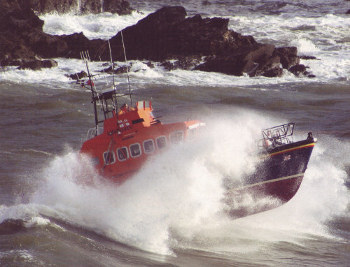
x=129, y=136
x=125, y=136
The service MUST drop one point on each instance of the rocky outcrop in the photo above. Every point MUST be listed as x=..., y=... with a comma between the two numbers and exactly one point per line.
x=254, y=61
x=18, y=25
x=23, y=42
x=120, y=7
x=166, y=36
x=77, y=76
x=38, y=64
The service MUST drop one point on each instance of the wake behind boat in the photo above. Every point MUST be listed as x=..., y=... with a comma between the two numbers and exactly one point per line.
x=124, y=137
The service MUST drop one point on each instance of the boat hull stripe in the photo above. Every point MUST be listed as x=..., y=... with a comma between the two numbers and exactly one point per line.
x=271, y=181
x=291, y=149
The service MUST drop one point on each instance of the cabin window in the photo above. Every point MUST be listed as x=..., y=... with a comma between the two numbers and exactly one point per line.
x=176, y=137
x=122, y=154
x=109, y=157
x=161, y=142
x=135, y=150
x=148, y=146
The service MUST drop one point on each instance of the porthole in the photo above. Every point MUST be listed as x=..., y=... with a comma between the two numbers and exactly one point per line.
x=161, y=142
x=148, y=146
x=108, y=157
x=135, y=150
x=122, y=153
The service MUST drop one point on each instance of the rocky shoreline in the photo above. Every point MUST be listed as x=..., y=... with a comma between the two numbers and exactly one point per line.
x=167, y=36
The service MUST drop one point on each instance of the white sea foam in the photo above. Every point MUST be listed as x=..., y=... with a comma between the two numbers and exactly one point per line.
x=176, y=199
x=103, y=25
x=325, y=37
x=321, y=197
x=177, y=191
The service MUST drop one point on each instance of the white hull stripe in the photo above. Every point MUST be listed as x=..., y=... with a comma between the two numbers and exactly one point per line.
x=270, y=181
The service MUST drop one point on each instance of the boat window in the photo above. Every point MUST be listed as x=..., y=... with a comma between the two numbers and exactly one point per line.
x=148, y=146
x=135, y=150
x=109, y=157
x=161, y=142
x=176, y=137
x=122, y=153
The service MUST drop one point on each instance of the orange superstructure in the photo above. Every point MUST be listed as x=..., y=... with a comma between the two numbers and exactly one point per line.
x=129, y=137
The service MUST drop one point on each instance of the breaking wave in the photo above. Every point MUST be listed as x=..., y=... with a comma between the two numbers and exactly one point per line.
x=175, y=201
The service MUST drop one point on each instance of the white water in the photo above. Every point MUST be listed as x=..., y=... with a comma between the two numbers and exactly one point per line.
x=94, y=26
x=325, y=37
x=175, y=200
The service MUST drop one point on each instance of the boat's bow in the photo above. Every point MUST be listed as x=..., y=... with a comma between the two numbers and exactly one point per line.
x=278, y=174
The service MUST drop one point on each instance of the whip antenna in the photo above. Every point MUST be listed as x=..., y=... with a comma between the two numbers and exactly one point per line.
x=127, y=69
x=85, y=56
x=115, y=104
x=112, y=64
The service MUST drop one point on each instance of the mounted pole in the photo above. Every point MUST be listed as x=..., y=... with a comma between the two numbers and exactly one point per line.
x=85, y=56
x=114, y=86
x=127, y=69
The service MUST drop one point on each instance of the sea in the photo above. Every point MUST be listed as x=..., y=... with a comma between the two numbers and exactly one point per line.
x=170, y=212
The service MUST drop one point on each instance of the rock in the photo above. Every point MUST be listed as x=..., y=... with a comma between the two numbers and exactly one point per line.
x=78, y=76
x=49, y=63
x=22, y=38
x=273, y=72
x=12, y=226
x=299, y=70
x=38, y=64
x=148, y=39
x=186, y=63
x=348, y=12
x=59, y=6
x=251, y=61
x=120, y=7
x=168, y=65
x=120, y=70
x=307, y=57
x=288, y=56
x=225, y=64
x=18, y=18
x=17, y=24
x=166, y=36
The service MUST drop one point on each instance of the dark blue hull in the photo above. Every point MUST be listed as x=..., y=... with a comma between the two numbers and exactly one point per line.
x=275, y=181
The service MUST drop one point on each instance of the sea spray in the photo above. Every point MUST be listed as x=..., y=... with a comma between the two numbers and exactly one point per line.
x=175, y=201
x=175, y=191
x=93, y=26
x=322, y=197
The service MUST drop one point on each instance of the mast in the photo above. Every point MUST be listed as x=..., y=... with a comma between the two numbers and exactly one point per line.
x=115, y=104
x=86, y=57
x=127, y=69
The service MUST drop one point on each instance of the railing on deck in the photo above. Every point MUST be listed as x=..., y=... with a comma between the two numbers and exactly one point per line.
x=277, y=136
x=92, y=132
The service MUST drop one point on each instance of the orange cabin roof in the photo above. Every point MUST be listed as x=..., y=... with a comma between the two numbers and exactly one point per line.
x=130, y=118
